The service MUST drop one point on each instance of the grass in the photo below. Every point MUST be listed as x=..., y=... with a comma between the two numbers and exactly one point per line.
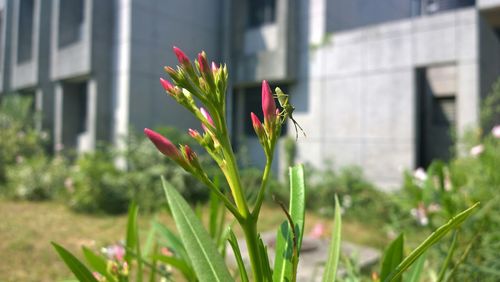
x=27, y=228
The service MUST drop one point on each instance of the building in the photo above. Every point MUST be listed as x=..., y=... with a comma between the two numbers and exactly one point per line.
x=378, y=84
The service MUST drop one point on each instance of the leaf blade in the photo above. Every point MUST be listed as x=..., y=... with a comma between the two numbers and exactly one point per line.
x=206, y=261
x=392, y=257
x=330, y=272
x=81, y=272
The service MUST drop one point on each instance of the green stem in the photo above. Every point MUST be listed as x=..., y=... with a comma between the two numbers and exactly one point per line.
x=251, y=237
x=262, y=190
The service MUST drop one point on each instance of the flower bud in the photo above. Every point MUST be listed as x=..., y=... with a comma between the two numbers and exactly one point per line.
x=268, y=105
x=257, y=125
x=163, y=144
x=181, y=56
x=208, y=117
x=166, y=85
x=202, y=62
x=215, y=68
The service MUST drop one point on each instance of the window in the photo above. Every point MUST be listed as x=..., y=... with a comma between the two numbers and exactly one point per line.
x=25, y=31
x=70, y=21
x=261, y=12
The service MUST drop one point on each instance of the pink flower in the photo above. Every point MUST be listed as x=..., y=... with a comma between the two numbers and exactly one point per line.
x=193, y=133
x=268, y=105
x=318, y=231
x=166, y=252
x=181, y=56
x=496, y=131
x=477, y=150
x=163, y=144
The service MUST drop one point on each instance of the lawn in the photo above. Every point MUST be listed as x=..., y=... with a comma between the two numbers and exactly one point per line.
x=27, y=228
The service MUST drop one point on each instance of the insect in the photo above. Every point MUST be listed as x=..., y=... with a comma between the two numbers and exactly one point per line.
x=287, y=111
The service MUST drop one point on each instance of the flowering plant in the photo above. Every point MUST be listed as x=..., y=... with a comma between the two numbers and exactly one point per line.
x=201, y=89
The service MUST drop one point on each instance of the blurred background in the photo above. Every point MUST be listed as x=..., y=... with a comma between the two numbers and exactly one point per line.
x=381, y=88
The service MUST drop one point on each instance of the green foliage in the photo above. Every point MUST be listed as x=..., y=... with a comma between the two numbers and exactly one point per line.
x=37, y=178
x=18, y=138
x=207, y=262
x=334, y=249
x=290, y=234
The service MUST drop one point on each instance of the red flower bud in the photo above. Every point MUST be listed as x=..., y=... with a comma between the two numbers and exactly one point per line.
x=163, y=144
x=268, y=105
x=257, y=125
x=202, y=61
x=190, y=155
x=170, y=71
x=181, y=56
x=166, y=85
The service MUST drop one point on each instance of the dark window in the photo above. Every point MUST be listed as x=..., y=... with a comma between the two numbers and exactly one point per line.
x=253, y=103
x=443, y=111
x=25, y=31
x=261, y=12
x=70, y=21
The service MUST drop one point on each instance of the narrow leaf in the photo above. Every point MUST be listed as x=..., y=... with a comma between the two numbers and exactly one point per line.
x=131, y=239
x=431, y=240
x=207, y=262
x=416, y=270
x=392, y=257
x=288, y=240
x=171, y=240
x=81, y=272
x=449, y=256
x=332, y=263
x=237, y=255
x=177, y=263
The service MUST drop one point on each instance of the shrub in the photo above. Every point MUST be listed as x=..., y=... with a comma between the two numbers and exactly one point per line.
x=36, y=178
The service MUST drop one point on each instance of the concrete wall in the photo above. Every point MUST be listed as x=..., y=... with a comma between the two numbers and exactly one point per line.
x=356, y=97
x=156, y=26
x=25, y=72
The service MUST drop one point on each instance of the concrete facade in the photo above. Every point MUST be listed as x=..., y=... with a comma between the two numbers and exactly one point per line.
x=92, y=66
x=357, y=90
x=369, y=89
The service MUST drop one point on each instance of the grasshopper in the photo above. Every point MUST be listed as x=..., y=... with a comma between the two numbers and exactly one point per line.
x=287, y=111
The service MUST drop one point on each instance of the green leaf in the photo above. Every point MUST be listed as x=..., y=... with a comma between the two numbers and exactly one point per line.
x=207, y=262
x=237, y=254
x=286, y=259
x=431, y=240
x=332, y=262
x=416, y=269
x=98, y=263
x=449, y=256
x=392, y=257
x=81, y=272
x=132, y=241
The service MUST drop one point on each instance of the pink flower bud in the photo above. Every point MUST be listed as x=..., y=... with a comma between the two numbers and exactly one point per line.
x=257, y=125
x=476, y=150
x=215, y=68
x=166, y=85
x=208, y=117
x=268, y=105
x=181, y=56
x=163, y=144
